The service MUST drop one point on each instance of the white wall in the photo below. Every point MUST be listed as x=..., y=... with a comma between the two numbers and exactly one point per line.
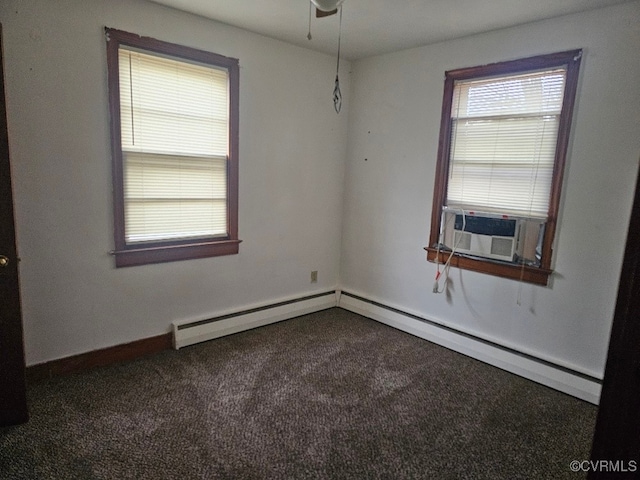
x=393, y=141
x=292, y=149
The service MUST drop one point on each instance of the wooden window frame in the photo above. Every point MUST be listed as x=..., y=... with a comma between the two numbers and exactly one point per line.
x=170, y=250
x=537, y=275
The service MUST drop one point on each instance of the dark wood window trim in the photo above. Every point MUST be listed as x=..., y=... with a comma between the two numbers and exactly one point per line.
x=168, y=251
x=538, y=275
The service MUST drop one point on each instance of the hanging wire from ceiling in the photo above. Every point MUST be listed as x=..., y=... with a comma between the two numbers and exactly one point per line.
x=325, y=8
x=309, y=37
x=337, y=94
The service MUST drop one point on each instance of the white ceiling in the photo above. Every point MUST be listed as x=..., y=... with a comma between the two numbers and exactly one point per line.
x=371, y=27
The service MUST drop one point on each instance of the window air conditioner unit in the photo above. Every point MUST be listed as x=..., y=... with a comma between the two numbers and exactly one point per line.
x=487, y=235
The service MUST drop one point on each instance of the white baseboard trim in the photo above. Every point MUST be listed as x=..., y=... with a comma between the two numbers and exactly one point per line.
x=557, y=377
x=189, y=332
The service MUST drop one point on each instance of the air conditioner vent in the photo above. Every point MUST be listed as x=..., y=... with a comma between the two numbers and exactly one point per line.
x=502, y=246
x=462, y=240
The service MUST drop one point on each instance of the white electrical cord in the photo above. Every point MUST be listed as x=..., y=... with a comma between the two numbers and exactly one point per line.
x=447, y=265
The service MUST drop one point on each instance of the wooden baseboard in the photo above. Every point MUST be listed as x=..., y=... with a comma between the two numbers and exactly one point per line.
x=99, y=358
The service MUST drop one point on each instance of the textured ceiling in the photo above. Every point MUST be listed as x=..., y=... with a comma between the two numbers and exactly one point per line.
x=372, y=27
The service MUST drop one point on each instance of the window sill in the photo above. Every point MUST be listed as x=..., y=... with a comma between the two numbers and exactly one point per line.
x=535, y=275
x=172, y=253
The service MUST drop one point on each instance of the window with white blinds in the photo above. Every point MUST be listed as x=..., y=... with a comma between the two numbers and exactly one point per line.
x=174, y=118
x=503, y=142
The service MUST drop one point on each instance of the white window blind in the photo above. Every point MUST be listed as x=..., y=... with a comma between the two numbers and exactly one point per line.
x=503, y=142
x=175, y=134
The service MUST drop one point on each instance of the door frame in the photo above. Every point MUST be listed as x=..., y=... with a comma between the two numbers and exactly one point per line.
x=617, y=433
x=13, y=401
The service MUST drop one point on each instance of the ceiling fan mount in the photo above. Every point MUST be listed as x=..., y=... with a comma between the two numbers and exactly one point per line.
x=326, y=8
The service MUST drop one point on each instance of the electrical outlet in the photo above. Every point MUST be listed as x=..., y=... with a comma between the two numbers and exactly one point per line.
x=314, y=276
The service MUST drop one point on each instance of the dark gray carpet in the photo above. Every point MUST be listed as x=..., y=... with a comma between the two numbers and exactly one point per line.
x=327, y=395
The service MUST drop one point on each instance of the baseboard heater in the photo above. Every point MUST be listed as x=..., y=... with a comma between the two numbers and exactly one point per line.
x=189, y=332
x=559, y=377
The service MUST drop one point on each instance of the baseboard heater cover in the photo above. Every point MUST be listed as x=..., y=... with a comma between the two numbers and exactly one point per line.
x=578, y=384
x=189, y=332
